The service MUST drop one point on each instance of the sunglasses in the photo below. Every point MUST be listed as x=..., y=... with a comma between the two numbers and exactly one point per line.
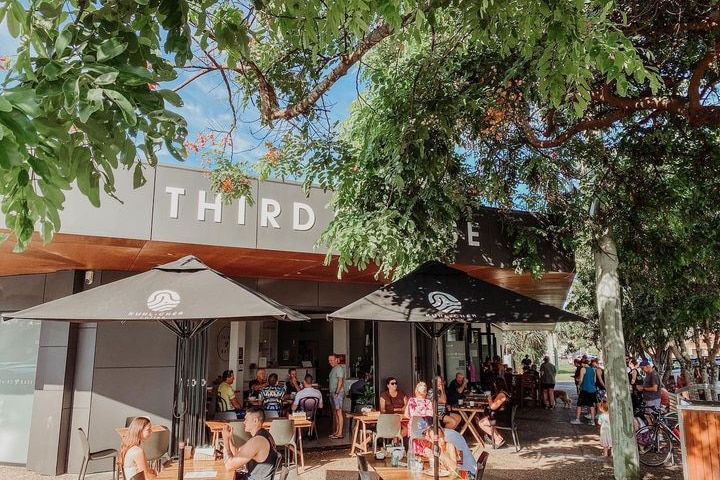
x=393, y=383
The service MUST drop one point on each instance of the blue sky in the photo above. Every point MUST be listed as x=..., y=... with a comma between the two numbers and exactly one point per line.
x=206, y=107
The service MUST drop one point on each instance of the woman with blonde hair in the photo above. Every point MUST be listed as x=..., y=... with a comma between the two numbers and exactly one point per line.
x=420, y=411
x=131, y=457
x=419, y=405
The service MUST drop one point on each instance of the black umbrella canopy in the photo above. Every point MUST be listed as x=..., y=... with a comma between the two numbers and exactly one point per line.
x=435, y=292
x=176, y=294
x=436, y=297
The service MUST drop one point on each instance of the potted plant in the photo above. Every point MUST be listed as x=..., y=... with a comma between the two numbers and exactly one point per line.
x=366, y=398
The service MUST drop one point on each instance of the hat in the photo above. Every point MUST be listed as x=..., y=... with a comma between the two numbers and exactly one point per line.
x=645, y=363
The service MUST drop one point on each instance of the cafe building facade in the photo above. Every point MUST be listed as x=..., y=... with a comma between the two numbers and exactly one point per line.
x=56, y=377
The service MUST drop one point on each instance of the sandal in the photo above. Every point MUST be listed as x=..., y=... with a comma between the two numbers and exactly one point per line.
x=335, y=437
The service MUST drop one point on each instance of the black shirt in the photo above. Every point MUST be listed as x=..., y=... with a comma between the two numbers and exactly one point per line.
x=264, y=470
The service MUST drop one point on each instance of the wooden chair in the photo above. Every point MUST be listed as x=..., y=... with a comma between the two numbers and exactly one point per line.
x=480, y=466
x=309, y=405
x=512, y=428
x=98, y=455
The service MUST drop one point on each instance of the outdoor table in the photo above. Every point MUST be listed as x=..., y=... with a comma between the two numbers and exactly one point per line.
x=198, y=469
x=387, y=472
x=122, y=431
x=216, y=427
x=360, y=436
x=468, y=413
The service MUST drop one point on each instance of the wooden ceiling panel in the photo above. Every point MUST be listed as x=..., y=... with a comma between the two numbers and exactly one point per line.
x=77, y=252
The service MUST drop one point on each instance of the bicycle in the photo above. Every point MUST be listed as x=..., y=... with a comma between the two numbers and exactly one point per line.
x=655, y=441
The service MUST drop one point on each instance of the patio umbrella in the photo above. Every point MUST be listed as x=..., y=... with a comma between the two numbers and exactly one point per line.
x=436, y=297
x=186, y=296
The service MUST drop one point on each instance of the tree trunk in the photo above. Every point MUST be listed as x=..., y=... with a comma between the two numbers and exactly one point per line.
x=625, y=453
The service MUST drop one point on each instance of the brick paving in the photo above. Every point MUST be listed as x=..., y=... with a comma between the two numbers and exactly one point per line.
x=552, y=449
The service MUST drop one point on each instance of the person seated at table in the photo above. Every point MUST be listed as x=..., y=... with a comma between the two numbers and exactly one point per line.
x=357, y=389
x=447, y=417
x=308, y=391
x=226, y=399
x=257, y=383
x=292, y=384
x=272, y=396
x=456, y=389
x=393, y=399
x=259, y=453
x=131, y=457
x=455, y=454
x=499, y=410
x=420, y=407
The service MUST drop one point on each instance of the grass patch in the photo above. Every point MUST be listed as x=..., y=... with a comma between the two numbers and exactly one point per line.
x=565, y=371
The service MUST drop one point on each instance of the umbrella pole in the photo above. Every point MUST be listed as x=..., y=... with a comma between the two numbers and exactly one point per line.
x=180, y=403
x=436, y=452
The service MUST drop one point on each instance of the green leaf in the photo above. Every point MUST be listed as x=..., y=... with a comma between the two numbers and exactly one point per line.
x=46, y=232
x=71, y=92
x=9, y=154
x=52, y=70
x=5, y=105
x=138, y=177
x=171, y=97
x=110, y=48
x=126, y=107
x=87, y=109
x=106, y=78
x=24, y=99
x=23, y=178
x=62, y=41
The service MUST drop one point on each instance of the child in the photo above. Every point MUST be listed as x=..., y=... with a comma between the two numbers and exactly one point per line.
x=604, y=421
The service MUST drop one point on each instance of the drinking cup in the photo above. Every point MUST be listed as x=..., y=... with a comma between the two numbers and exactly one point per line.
x=460, y=401
x=472, y=404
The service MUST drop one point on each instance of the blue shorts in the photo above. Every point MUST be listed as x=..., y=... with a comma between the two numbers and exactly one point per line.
x=336, y=400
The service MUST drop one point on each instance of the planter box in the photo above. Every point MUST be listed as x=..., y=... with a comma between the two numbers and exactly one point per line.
x=700, y=434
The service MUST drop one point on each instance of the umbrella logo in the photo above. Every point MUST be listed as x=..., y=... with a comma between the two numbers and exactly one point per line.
x=444, y=302
x=163, y=300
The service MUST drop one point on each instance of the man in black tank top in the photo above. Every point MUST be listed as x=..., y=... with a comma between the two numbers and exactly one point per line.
x=259, y=453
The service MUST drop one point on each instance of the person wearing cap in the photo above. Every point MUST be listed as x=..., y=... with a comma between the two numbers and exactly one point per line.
x=226, y=395
x=650, y=387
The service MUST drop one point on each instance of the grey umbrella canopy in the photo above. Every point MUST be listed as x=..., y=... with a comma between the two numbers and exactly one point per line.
x=183, y=290
x=186, y=296
x=435, y=297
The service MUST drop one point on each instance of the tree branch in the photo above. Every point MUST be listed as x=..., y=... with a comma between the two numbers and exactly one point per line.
x=270, y=111
x=193, y=78
x=227, y=88
x=584, y=125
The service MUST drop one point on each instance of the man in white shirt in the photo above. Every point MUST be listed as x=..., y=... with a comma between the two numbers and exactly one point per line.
x=308, y=391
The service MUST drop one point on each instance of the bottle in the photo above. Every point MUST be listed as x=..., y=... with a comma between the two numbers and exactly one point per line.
x=181, y=460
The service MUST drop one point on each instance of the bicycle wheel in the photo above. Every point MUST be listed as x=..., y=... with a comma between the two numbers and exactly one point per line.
x=654, y=445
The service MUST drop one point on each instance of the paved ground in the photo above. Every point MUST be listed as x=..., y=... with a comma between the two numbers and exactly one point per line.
x=552, y=449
